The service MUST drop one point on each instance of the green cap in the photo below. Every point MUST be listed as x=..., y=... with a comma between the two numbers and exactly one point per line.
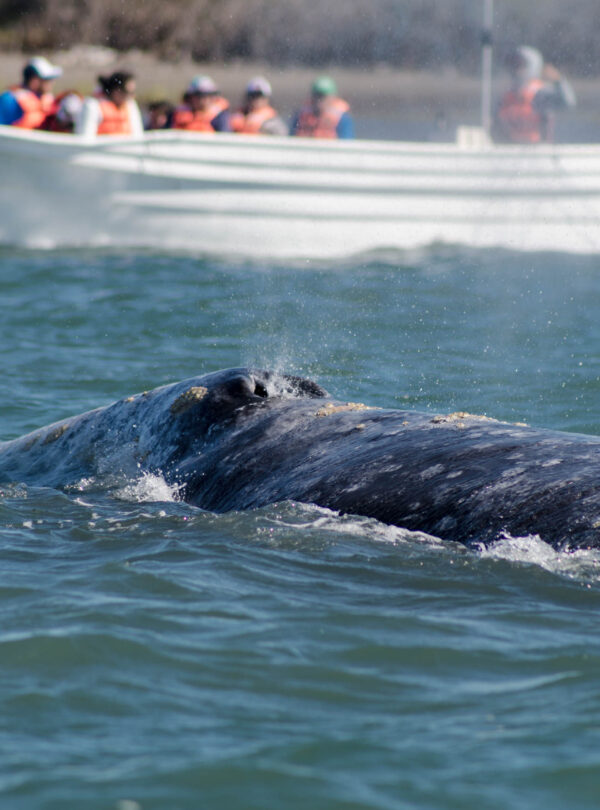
x=324, y=86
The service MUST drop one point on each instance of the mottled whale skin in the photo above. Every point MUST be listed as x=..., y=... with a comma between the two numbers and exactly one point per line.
x=245, y=438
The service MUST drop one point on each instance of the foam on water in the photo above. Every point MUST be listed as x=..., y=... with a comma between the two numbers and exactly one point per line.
x=578, y=564
x=301, y=517
x=149, y=488
x=581, y=565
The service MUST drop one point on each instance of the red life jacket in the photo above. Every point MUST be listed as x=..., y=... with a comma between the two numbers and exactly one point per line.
x=324, y=125
x=519, y=119
x=115, y=120
x=35, y=108
x=201, y=120
x=251, y=123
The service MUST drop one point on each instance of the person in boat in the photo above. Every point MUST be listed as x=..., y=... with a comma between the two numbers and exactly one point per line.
x=204, y=109
x=66, y=110
x=325, y=114
x=112, y=110
x=29, y=104
x=526, y=111
x=159, y=115
x=257, y=116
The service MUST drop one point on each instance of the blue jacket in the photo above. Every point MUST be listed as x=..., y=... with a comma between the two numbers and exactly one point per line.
x=10, y=109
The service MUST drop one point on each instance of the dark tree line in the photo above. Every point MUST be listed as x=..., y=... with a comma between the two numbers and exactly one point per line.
x=402, y=33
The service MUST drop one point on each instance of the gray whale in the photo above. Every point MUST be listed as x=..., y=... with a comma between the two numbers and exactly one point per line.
x=245, y=438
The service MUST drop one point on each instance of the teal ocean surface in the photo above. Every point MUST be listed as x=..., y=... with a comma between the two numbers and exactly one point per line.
x=157, y=657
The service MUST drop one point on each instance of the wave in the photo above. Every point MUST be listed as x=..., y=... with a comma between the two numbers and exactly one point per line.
x=577, y=564
x=285, y=525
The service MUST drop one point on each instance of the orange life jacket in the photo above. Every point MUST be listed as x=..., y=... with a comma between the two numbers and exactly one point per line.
x=35, y=108
x=251, y=123
x=201, y=120
x=310, y=125
x=115, y=120
x=520, y=121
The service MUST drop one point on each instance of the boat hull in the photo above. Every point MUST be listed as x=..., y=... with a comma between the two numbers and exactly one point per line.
x=294, y=198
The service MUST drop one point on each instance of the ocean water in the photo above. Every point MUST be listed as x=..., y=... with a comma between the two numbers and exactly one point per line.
x=157, y=657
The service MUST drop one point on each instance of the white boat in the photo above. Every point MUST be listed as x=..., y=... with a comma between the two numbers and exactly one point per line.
x=292, y=197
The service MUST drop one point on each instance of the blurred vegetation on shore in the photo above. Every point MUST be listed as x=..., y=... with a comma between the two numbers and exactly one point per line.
x=409, y=34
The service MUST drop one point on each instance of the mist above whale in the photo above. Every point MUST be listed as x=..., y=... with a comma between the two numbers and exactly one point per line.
x=245, y=438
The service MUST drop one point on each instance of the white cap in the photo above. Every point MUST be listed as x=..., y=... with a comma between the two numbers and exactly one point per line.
x=43, y=68
x=202, y=84
x=259, y=85
x=528, y=62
